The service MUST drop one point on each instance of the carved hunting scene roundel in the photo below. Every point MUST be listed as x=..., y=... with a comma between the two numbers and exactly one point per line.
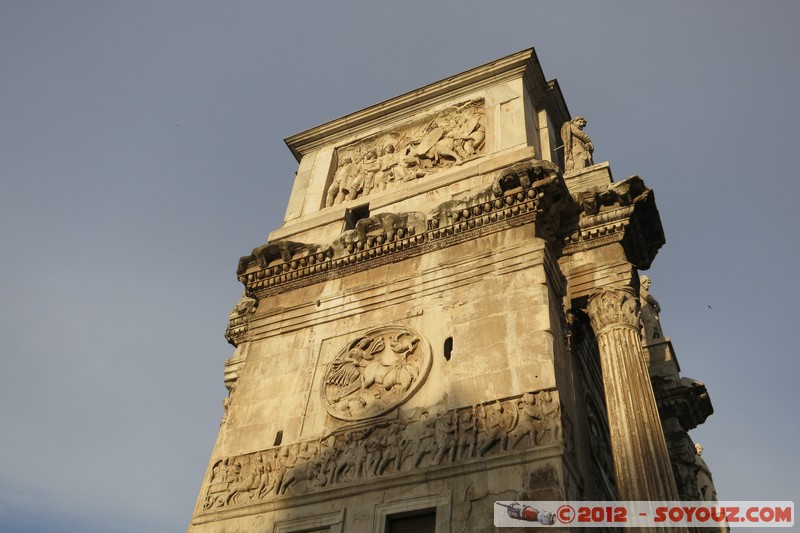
x=375, y=373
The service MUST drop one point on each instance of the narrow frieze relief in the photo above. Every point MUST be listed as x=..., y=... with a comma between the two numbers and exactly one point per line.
x=375, y=373
x=426, y=440
x=391, y=159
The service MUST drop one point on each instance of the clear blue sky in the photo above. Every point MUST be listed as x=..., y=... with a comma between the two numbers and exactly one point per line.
x=141, y=153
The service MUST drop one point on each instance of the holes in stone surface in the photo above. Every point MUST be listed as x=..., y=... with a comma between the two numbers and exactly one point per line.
x=278, y=438
x=352, y=216
x=448, y=348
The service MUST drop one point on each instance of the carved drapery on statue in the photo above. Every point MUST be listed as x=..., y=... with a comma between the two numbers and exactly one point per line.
x=705, y=483
x=651, y=322
x=578, y=147
x=450, y=137
x=375, y=373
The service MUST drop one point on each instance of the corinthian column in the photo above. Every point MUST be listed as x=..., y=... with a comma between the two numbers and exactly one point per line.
x=641, y=460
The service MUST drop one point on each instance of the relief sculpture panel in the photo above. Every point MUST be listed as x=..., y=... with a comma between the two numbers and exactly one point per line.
x=452, y=136
x=427, y=439
x=375, y=373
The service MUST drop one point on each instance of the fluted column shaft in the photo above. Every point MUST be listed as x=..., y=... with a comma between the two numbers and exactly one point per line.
x=641, y=459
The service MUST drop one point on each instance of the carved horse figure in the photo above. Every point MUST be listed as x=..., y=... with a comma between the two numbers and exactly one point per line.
x=392, y=370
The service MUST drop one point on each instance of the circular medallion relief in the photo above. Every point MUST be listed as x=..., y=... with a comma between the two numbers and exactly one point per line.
x=375, y=373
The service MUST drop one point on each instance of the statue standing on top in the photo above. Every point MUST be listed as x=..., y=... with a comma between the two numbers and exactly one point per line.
x=578, y=146
x=651, y=323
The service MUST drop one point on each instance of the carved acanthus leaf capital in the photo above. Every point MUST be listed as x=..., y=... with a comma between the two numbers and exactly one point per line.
x=614, y=307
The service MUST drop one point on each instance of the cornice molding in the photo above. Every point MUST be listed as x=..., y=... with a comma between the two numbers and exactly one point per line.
x=625, y=212
x=686, y=399
x=521, y=194
x=405, y=105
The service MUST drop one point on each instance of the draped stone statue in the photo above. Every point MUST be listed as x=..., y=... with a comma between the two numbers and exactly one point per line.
x=651, y=324
x=705, y=483
x=578, y=147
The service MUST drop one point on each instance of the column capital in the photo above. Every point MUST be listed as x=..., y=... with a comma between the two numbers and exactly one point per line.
x=614, y=307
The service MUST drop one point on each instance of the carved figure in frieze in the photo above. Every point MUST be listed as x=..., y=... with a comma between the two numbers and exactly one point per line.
x=467, y=435
x=650, y=310
x=490, y=428
x=369, y=168
x=439, y=142
x=446, y=439
x=352, y=180
x=578, y=147
x=423, y=438
x=352, y=460
x=361, y=455
x=217, y=486
x=550, y=411
x=326, y=461
x=375, y=373
x=269, y=473
x=305, y=467
x=388, y=162
x=402, y=166
x=243, y=479
x=285, y=461
x=529, y=421
x=411, y=162
x=345, y=458
x=392, y=444
x=374, y=447
x=468, y=134
x=336, y=190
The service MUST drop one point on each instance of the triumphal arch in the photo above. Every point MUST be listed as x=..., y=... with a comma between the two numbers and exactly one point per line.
x=450, y=315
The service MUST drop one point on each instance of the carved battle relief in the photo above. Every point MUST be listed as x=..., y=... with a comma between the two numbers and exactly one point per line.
x=450, y=137
x=426, y=440
x=375, y=373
